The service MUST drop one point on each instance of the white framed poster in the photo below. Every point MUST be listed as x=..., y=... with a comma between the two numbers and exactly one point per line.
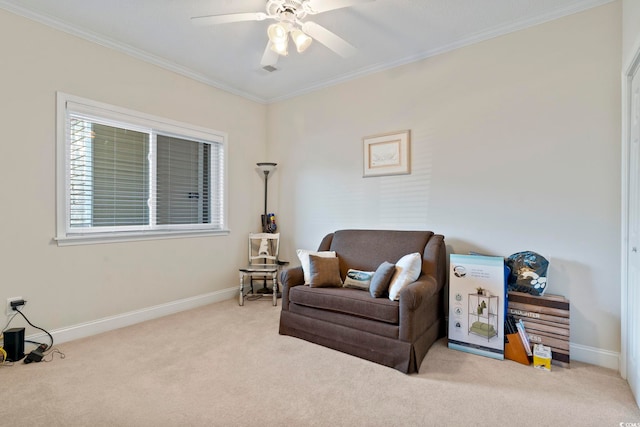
x=477, y=291
x=387, y=154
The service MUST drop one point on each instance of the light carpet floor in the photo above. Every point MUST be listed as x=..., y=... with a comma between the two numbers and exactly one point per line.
x=225, y=365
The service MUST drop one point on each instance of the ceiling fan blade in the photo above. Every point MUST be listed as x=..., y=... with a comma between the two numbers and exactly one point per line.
x=269, y=57
x=329, y=39
x=228, y=18
x=318, y=6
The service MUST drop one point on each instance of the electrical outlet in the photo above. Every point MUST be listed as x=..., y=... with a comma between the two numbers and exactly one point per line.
x=10, y=311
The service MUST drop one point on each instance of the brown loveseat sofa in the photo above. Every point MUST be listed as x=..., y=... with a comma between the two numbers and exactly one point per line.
x=393, y=333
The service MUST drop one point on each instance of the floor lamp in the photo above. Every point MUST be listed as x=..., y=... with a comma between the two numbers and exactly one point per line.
x=266, y=168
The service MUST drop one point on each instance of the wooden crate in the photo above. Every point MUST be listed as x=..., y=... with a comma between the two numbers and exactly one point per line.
x=546, y=320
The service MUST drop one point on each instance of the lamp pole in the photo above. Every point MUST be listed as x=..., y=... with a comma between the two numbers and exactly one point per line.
x=266, y=168
x=264, y=217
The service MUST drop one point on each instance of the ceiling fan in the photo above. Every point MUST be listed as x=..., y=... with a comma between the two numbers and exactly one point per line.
x=289, y=16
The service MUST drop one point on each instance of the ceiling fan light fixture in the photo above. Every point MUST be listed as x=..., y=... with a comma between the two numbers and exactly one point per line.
x=277, y=33
x=280, y=48
x=301, y=40
x=290, y=20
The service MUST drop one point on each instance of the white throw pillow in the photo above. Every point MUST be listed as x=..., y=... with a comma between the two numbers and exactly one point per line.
x=303, y=256
x=408, y=270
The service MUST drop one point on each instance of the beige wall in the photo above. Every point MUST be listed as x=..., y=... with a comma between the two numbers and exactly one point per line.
x=516, y=146
x=67, y=286
x=630, y=29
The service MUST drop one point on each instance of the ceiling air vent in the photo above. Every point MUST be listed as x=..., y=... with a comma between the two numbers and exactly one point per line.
x=269, y=68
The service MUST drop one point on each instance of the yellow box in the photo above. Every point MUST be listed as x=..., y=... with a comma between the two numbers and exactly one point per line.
x=542, y=357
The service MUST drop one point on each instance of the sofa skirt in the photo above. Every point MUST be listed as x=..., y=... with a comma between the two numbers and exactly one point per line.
x=404, y=356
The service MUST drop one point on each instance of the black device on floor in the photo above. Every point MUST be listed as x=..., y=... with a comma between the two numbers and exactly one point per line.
x=14, y=344
x=36, y=355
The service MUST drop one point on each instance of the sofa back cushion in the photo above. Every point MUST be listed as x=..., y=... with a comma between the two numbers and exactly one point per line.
x=367, y=249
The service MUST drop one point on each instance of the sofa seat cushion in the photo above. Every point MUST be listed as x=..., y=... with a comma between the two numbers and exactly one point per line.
x=346, y=301
x=354, y=322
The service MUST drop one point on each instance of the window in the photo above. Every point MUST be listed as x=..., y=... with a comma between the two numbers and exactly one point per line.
x=124, y=175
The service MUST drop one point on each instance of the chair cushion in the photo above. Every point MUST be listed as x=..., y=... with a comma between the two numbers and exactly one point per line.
x=348, y=301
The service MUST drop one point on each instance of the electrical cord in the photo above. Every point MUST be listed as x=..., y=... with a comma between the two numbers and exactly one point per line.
x=41, y=352
x=3, y=358
x=35, y=342
x=9, y=322
x=37, y=327
x=51, y=353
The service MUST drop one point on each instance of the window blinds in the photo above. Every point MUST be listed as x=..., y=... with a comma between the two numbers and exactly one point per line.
x=114, y=182
x=183, y=179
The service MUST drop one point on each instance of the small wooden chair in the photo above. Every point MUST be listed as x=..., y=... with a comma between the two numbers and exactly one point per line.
x=263, y=265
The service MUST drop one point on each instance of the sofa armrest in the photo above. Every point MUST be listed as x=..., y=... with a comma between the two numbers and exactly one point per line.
x=289, y=278
x=418, y=307
x=292, y=277
x=434, y=260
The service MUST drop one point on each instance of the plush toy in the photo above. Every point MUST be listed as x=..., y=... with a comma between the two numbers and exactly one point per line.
x=528, y=273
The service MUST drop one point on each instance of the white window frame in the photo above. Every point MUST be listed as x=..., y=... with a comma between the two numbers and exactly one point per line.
x=65, y=235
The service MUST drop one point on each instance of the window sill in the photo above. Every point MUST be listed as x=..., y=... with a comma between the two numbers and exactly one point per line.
x=100, y=238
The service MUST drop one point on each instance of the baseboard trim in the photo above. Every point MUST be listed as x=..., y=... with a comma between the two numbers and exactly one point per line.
x=595, y=356
x=110, y=323
x=581, y=353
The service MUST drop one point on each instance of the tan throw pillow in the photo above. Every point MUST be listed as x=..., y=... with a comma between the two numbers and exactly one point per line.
x=303, y=256
x=324, y=272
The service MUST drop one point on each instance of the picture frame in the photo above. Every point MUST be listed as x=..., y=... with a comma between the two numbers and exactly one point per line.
x=387, y=154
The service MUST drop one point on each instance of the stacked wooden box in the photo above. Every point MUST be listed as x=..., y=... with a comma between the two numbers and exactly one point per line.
x=546, y=320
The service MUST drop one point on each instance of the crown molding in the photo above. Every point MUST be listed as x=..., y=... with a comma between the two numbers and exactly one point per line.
x=501, y=30
x=126, y=49
x=578, y=6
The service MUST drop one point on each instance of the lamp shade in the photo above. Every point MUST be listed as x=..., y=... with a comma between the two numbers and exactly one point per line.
x=267, y=167
x=280, y=48
x=301, y=40
x=277, y=33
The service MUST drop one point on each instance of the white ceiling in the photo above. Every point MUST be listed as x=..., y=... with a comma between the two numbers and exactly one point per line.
x=386, y=33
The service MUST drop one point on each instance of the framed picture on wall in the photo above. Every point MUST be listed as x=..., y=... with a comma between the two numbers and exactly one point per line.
x=387, y=154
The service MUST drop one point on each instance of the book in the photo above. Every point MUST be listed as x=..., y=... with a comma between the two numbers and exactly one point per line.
x=524, y=337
